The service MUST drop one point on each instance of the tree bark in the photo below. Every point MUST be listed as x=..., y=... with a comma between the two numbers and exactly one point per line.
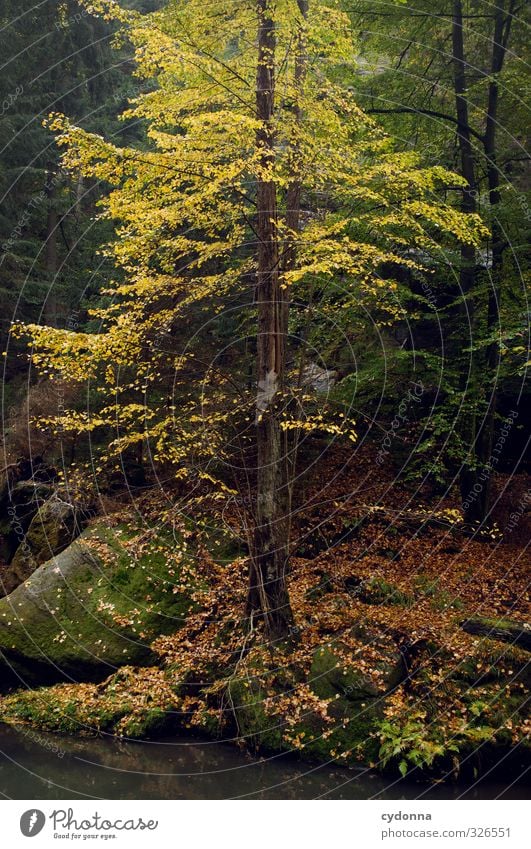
x=474, y=498
x=475, y=477
x=500, y=39
x=52, y=220
x=293, y=224
x=504, y=630
x=268, y=597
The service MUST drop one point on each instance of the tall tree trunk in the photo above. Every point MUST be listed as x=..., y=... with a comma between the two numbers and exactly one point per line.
x=293, y=224
x=475, y=475
x=500, y=39
x=293, y=195
x=473, y=495
x=52, y=220
x=268, y=597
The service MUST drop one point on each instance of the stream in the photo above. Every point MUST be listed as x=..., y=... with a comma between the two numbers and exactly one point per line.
x=35, y=765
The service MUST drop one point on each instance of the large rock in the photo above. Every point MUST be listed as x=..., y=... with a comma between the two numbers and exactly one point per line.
x=92, y=608
x=19, y=504
x=352, y=683
x=354, y=680
x=54, y=526
x=27, y=484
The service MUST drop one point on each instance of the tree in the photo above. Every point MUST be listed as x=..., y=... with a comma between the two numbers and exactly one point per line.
x=451, y=85
x=263, y=178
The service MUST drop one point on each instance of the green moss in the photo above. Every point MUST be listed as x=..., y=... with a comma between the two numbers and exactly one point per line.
x=490, y=665
x=133, y=702
x=347, y=739
x=151, y=724
x=500, y=624
x=145, y=581
x=95, y=605
x=245, y=700
x=223, y=545
x=49, y=710
x=211, y=723
x=378, y=591
x=441, y=599
x=329, y=678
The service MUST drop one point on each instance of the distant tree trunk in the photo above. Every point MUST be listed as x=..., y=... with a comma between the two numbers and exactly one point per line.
x=268, y=597
x=473, y=492
x=475, y=475
x=500, y=39
x=50, y=304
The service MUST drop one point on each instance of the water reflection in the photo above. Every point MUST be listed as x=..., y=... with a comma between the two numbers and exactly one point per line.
x=45, y=766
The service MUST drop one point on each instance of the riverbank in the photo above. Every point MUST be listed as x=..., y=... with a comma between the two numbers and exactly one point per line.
x=408, y=653
x=379, y=668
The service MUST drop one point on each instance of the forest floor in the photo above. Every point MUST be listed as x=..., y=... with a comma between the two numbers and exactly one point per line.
x=377, y=669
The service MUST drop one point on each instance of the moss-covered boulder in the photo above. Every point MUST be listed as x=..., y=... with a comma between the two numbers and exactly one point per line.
x=328, y=711
x=55, y=525
x=245, y=700
x=353, y=683
x=96, y=606
x=329, y=678
x=133, y=702
x=376, y=590
x=338, y=673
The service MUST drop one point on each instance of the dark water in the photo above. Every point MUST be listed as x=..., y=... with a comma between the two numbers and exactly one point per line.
x=34, y=765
